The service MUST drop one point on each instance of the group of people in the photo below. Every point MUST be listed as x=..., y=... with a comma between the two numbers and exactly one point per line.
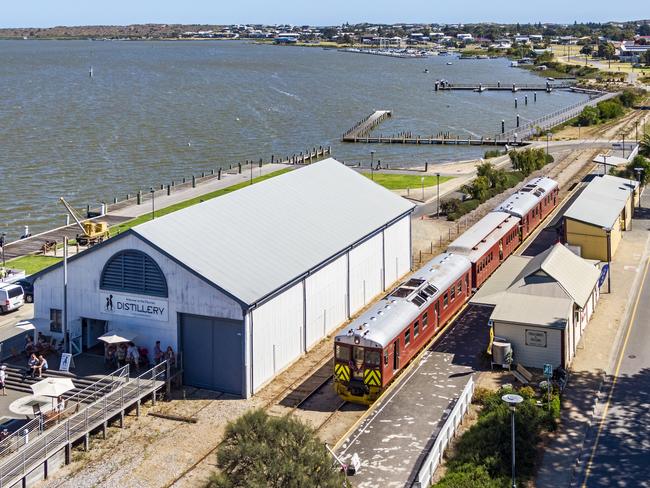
x=40, y=346
x=128, y=353
x=37, y=365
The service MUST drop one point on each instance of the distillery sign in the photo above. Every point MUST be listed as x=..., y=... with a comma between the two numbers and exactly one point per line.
x=134, y=306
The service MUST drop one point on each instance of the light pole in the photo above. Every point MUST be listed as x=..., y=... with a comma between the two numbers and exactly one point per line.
x=512, y=400
x=153, y=203
x=422, y=182
x=372, y=165
x=623, y=134
x=604, y=164
x=548, y=137
x=638, y=172
x=2, y=247
x=636, y=131
x=438, y=197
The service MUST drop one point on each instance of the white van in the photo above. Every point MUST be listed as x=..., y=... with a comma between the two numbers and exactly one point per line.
x=12, y=297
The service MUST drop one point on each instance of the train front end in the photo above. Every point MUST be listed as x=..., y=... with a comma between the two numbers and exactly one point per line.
x=357, y=367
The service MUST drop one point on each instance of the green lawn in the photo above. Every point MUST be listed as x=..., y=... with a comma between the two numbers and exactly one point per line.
x=402, y=182
x=188, y=203
x=32, y=264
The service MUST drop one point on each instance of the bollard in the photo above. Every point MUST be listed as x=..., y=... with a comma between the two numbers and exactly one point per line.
x=139, y=197
x=535, y=97
x=193, y=181
x=261, y=162
x=272, y=158
x=87, y=210
x=183, y=179
x=219, y=174
x=162, y=187
x=515, y=103
x=128, y=196
x=239, y=168
x=212, y=172
x=503, y=127
x=517, y=120
x=202, y=174
x=173, y=183
x=526, y=100
x=114, y=200
x=169, y=190
x=426, y=167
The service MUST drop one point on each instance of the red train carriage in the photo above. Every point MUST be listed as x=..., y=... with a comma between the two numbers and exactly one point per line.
x=383, y=340
x=488, y=243
x=532, y=203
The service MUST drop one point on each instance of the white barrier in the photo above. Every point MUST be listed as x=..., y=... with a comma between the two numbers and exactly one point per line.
x=445, y=434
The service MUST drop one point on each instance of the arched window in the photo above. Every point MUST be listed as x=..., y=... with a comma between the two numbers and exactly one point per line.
x=133, y=271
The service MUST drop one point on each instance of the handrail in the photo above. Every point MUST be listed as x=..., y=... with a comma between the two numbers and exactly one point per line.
x=30, y=451
x=36, y=426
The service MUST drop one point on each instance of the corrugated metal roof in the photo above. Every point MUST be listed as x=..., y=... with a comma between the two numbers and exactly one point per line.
x=602, y=201
x=483, y=235
x=529, y=195
x=385, y=320
x=542, y=311
x=500, y=280
x=254, y=241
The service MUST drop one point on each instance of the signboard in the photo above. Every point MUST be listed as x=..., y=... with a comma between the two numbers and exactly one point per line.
x=134, y=306
x=603, y=275
x=548, y=370
x=66, y=359
x=535, y=338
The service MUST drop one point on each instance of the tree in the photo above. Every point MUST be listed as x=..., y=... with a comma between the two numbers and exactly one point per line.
x=606, y=50
x=588, y=116
x=587, y=50
x=609, y=109
x=644, y=146
x=478, y=189
x=260, y=451
x=469, y=475
x=627, y=98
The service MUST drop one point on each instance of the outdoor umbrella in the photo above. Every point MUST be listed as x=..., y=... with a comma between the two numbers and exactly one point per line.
x=52, y=387
x=116, y=337
x=25, y=325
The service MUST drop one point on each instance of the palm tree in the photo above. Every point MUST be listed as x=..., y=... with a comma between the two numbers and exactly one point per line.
x=644, y=145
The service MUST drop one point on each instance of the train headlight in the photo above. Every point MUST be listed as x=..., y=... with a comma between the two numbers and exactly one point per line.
x=357, y=340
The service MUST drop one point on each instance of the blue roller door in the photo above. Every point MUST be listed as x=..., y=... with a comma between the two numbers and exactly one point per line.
x=212, y=353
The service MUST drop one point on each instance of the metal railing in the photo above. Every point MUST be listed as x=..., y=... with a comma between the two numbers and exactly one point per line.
x=445, y=434
x=76, y=421
x=39, y=425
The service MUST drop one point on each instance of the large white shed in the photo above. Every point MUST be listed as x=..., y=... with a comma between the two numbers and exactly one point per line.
x=243, y=284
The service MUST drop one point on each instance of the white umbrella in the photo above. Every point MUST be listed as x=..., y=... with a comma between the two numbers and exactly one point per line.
x=116, y=337
x=25, y=325
x=52, y=387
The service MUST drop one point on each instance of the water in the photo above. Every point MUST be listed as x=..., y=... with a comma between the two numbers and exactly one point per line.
x=157, y=111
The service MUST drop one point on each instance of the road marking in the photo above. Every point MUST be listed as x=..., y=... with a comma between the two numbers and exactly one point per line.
x=616, y=371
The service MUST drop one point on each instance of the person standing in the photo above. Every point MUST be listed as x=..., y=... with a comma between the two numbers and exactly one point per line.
x=158, y=354
x=3, y=379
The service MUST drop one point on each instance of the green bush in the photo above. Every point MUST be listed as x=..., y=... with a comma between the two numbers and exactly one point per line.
x=609, y=109
x=588, y=116
x=481, y=395
x=468, y=476
x=493, y=153
x=527, y=392
x=529, y=160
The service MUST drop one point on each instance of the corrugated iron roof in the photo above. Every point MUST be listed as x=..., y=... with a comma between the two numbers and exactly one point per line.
x=529, y=195
x=551, y=312
x=602, y=201
x=480, y=237
x=254, y=241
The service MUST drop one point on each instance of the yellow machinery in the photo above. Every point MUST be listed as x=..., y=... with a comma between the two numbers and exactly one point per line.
x=93, y=232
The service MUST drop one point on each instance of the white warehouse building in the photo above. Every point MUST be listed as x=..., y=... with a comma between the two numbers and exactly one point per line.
x=244, y=284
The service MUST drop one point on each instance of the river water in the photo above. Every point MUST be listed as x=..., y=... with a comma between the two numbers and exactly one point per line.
x=157, y=111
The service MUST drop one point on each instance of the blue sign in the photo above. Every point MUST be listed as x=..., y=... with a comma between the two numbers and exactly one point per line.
x=548, y=370
x=603, y=275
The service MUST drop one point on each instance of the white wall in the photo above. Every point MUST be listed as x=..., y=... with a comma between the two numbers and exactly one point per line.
x=365, y=273
x=277, y=334
x=531, y=356
x=397, y=250
x=187, y=294
x=326, y=297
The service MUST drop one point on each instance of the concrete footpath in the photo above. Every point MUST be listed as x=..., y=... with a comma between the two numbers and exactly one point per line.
x=595, y=356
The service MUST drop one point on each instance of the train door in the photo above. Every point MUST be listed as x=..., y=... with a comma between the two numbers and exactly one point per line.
x=436, y=308
x=396, y=355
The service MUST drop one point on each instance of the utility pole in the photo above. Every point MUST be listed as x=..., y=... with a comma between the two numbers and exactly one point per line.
x=153, y=204
x=372, y=165
x=2, y=247
x=438, y=197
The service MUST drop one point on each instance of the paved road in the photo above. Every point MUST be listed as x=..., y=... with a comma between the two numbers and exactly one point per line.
x=622, y=448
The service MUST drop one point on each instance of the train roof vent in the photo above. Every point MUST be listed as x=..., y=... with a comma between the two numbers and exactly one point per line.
x=430, y=290
x=418, y=300
x=539, y=192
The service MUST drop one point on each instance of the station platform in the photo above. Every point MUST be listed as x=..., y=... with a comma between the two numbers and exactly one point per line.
x=393, y=441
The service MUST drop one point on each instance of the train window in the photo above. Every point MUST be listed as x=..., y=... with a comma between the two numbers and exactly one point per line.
x=452, y=293
x=459, y=286
x=416, y=328
x=467, y=282
x=425, y=320
x=445, y=301
x=342, y=353
x=358, y=354
x=407, y=337
x=385, y=357
x=372, y=358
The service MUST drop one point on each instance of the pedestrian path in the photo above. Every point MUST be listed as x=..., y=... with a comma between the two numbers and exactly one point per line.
x=595, y=356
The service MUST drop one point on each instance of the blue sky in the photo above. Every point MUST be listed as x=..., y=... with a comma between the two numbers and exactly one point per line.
x=44, y=13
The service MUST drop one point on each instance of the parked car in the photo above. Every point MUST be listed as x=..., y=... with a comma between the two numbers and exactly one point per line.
x=28, y=289
x=11, y=297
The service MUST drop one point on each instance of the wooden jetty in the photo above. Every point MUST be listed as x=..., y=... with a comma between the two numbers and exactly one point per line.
x=365, y=126
x=514, y=87
x=454, y=141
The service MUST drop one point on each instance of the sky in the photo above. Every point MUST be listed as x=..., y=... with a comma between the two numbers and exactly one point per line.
x=47, y=13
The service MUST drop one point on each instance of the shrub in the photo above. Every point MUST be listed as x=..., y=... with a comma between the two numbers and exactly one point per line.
x=529, y=160
x=588, y=116
x=481, y=394
x=627, y=98
x=527, y=392
x=450, y=206
x=469, y=475
x=263, y=451
x=609, y=109
x=493, y=153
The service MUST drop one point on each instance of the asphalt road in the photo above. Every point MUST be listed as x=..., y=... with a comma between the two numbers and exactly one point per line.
x=620, y=446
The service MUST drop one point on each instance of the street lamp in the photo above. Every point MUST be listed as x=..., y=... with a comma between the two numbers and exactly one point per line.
x=438, y=197
x=153, y=203
x=422, y=182
x=604, y=164
x=512, y=400
x=372, y=157
x=2, y=247
x=548, y=136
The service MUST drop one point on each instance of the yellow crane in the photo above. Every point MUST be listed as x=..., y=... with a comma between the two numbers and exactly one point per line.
x=93, y=232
